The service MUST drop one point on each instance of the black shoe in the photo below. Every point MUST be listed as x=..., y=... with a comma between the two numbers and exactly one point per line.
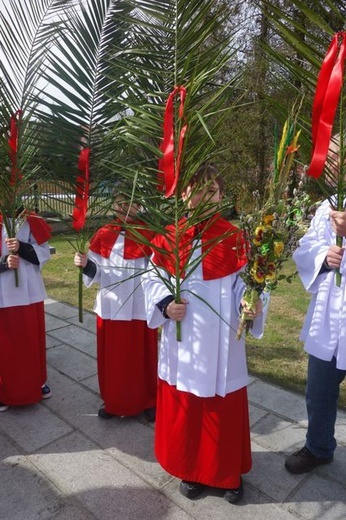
x=191, y=490
x=3, y=407
x=150, y=414
x=103, y=414
x=303, y=461
x=234, y=495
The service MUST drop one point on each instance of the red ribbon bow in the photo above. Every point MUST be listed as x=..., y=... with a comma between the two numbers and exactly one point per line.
x=13, y=145
x=82, y=189
x=329, y=84
x=169, y=166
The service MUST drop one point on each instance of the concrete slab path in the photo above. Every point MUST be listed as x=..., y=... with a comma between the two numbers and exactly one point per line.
x=59, y=460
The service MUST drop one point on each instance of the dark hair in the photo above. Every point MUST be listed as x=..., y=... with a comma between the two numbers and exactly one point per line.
x=206, y=172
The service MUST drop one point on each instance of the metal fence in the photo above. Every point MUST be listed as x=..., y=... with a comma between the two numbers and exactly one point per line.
x=47, y=198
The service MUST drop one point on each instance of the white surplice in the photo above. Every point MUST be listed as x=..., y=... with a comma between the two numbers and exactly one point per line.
x=208, y=361
x=324, y=329
x=30, y=287
x=120, y=296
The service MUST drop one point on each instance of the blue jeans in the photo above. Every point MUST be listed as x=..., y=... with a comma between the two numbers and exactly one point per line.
x=322, y=395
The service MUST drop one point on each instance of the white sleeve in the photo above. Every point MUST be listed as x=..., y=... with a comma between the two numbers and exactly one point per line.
x=313, y=248
x=97, y=260
x=155, y=290
x=42, y=251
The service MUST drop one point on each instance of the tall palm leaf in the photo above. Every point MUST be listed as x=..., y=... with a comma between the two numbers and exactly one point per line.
x=171, y=51
x=26, y=32
x=311, y=41
x=87, y=102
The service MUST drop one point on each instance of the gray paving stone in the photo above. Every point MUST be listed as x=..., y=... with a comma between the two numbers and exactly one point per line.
x=128, y=440
x=75, y=512
x=269, y=475
x=25, y=493
x=319, y=498
x=277, y=434
x=60, y=461
x=78, y=338
x=32, y=427
x=282, y=402
x=92, y=383
x=72, y=362
x=52, y=323
x=59, y=309
x=52, y=342
x=89, y=321
x=107, y=489
x=337, y=469
x=256, y=414
x=71, y=400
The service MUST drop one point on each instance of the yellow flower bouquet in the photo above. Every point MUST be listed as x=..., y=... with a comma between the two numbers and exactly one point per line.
x=267, y=237
x=270, y=231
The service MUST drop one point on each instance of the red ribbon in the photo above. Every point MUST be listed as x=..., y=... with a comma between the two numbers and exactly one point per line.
x=169, y=166
x=82, y=190
x=328, y=89
x=13, y=145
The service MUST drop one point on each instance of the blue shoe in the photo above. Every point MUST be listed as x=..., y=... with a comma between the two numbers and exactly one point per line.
x=46, y=392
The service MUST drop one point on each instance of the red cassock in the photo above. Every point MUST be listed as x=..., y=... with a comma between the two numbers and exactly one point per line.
x=22, y=321
x=126, y=347
x=203, y=439
x=200, y=435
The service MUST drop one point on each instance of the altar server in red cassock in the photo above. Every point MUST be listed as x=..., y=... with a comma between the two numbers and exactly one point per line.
x=202, y=424
x=23, y=370
x=126, y=347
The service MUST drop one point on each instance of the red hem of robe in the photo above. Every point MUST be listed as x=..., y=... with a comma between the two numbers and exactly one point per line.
x=127, y=353
x=23, y=368
x=203, y=439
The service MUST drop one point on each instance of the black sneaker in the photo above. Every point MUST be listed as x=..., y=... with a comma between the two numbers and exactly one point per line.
x=150, y=414
x=46, y=392
x=191, y=490
x=303, y=461
x=234, y=495
x=3, y=407
x=103, y=414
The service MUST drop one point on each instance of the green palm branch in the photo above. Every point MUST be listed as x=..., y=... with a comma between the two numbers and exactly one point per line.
x=26, y=32
x=88, y=102
x=309, y=39
x=171, y=44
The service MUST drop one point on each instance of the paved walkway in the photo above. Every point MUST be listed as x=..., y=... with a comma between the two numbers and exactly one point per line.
x=60, y=461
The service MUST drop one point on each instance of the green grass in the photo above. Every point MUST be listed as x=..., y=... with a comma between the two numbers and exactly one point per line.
x=278, y=357
x=61, y=276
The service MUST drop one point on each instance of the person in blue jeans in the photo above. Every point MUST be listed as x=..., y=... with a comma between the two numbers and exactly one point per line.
x=324, y=334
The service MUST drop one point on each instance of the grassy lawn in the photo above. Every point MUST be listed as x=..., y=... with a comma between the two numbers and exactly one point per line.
x=61, y=276
x=278, y=357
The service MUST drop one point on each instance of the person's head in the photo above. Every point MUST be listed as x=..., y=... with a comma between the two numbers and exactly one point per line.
x=204, y=190
x=125, y=209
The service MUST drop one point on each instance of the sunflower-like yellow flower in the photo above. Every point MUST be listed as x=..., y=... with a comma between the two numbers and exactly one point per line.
x=271, y=266
x=271, y=276
x=258, y=235
x=268, y=219
x=257, y=273
x=258, y=276
x=278, y=248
